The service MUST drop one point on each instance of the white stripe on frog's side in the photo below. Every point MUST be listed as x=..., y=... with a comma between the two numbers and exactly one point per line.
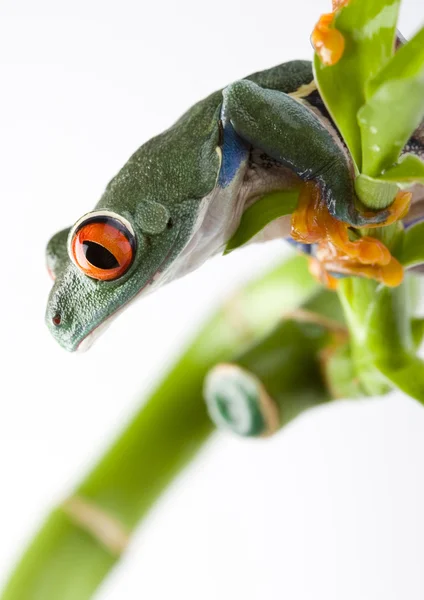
x=219, y=216
x=221, y=212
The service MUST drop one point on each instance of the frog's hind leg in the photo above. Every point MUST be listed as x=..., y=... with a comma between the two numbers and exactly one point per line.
x=292, y=134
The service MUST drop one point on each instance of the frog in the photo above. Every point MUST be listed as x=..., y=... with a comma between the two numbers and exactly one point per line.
x=181, y=196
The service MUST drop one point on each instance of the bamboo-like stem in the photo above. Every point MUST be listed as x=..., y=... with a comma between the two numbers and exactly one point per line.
x=282, y=375
x=83, y=538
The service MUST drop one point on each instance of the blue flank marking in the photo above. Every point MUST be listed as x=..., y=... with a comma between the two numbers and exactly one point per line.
x=305, y=248
x=234, y=152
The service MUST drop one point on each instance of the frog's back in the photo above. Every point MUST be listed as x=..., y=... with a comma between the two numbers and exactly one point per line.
x=182, y=162
x=287, y=77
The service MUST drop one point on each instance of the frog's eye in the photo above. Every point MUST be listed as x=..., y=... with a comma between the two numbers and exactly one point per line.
x=102, y=244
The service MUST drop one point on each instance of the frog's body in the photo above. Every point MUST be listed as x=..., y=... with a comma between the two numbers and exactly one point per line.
x=182, y=194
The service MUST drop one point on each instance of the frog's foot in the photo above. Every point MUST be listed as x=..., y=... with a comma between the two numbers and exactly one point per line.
x=365, y=250
x=305, y=226
x=396, y=211
x=318, y=270
x=328, y=42
x=312, y=223
x=331, y=261
x=336, y=252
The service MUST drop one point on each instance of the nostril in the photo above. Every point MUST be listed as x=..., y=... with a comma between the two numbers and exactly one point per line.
x=57, y=319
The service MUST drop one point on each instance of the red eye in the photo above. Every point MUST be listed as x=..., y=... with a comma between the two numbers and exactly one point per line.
x=102, y=247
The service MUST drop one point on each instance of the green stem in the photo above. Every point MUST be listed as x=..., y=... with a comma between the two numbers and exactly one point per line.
x=282, y=375
x=383, y=334
x=82, y=539
x=371, y=334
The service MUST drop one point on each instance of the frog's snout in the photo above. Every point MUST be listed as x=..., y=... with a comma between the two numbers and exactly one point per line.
x=61, y=327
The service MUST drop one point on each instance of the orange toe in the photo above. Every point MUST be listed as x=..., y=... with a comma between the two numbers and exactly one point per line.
x=317, y=269
x=397, y=210
x=335, y=252
x=372, y=251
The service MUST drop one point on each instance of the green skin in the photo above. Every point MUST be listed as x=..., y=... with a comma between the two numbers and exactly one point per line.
x=184, y=191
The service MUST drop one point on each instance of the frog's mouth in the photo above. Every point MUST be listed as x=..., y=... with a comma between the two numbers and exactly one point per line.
x=158, y=278
x=88, y=340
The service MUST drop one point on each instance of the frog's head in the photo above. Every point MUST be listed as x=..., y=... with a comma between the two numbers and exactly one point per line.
x=135, y=240
x=105, y=260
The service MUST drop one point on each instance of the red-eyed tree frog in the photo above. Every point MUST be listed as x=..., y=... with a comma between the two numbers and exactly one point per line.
x=180, y=197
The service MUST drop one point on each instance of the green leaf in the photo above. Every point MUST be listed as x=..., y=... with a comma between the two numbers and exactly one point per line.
x=412, y=249
x=394, y=108
x=409, y=169
x=406, y=62
x=256, y=217
x=369, y=29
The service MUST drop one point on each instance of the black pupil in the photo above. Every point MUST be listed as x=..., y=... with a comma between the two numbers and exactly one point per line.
x=99, y=256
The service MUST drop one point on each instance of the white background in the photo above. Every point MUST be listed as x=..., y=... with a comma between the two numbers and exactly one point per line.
x=332, y=507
